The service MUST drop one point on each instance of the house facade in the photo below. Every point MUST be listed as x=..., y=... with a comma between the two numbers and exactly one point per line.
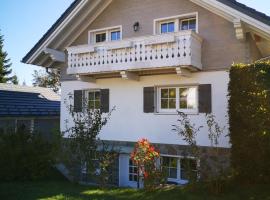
x=150, y=59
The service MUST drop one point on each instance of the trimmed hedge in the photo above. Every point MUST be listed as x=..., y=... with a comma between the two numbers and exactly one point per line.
x=249, y=120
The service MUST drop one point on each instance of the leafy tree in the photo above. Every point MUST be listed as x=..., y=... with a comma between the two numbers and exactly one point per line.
x=15, y=80
x=51, y=79
x=5, y=65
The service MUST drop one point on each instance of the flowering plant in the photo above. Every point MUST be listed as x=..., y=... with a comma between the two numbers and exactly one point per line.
x=144, y=156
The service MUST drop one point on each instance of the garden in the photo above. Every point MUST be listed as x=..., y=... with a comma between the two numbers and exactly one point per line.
x=26, y=162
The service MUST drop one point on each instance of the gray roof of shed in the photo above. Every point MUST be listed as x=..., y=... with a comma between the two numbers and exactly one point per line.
x=20, y=101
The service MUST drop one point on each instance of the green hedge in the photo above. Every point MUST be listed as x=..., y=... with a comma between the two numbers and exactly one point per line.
x=249, y=120
x=26, y=156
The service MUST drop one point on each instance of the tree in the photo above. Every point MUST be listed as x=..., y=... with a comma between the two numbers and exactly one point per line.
x=51, y=79
x=15, y=80
x=5, y=64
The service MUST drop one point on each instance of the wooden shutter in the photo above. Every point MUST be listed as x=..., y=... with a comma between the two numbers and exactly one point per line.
x=205, y=98
x=149, y=100
x=78, y=96
x=104, y=100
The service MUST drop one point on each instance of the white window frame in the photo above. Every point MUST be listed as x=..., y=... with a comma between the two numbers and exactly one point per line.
x=133, y=174
x=166, y=22
x=176, y=19
x=188, y=111
x=92, y=34
x=86, y=94
x=178, y=179
x=186, y=19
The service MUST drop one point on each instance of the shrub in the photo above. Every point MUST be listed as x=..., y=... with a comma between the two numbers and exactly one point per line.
x=145, y=157
x=249, y=120
x=25, y=155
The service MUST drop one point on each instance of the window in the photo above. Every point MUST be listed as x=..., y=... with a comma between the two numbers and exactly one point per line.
x=167, y=27
x=94, y=99
x=179, y=168
x=188, y=24
x=170, y=165
x=100, y=37
x=188, y=167
x=105, y=35
x=115, y=35
x=176, y=23
x=133, y=171
x=178, y=98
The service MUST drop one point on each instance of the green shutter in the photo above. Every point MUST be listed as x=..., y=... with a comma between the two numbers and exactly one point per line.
x=104, y=100
x=149, y=100
x=78, y=97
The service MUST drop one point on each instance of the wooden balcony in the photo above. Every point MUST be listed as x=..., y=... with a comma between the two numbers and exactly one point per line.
x=173, y=50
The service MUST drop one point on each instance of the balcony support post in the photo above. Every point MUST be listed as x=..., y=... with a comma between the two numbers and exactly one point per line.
x=86, y=78
x=183, y=72
x=129, y=76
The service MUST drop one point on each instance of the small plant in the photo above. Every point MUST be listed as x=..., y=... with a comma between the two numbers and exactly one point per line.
x=188, y=132
x=83, y=140
x=145, y=157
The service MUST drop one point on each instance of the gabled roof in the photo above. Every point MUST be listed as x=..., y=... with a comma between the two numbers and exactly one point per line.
x=20, y=101
x=259, y=16
x=247, y=10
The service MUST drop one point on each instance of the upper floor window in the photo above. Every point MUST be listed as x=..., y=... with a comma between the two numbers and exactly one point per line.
x=188, y=24
x=105, y=35
x=100, y=37
x=176, y=23
x=115, y=35
x=178, y=98
x=167, y=27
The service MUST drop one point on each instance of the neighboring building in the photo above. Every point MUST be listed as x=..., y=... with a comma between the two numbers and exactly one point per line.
x=150, y=58
x=35, y=108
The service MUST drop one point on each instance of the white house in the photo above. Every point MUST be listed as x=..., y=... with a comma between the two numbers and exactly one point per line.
x=150, y=58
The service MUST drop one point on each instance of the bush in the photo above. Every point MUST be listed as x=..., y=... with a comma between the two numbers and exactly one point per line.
x=249, y=120
x=26, y=156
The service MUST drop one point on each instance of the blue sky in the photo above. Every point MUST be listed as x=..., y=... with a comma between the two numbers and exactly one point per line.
x=23, y=22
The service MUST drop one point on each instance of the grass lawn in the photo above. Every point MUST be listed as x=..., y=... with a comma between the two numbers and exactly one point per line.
x=61, y=189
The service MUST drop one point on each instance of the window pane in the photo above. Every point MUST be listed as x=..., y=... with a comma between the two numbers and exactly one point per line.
x=91, y=104
x=184, y=25
x=101, y=37
x=164, y=93
x=172, y=93
x=97, y=104
x=173, y=173
x=188, y=168
x=171, y=27
x=183, y=97
x=164, y=103
x=91, y=96
x=115, y=35
x=165, y=161
x=172, y=103
x=97, y=95
x=173, y=162
x=191, y=98
x=192, y=24
x=164, y=28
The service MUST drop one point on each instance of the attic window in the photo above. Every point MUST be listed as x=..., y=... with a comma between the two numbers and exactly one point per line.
x=100, y=37
x=105, y=35
x=176, y=23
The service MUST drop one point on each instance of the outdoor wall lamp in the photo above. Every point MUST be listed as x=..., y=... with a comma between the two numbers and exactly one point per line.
x=136, y=26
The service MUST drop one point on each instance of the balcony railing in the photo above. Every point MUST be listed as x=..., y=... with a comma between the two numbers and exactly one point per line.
x=149, y=52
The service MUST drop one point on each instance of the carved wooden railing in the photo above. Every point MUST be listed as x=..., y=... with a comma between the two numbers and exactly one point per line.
x=166, y=50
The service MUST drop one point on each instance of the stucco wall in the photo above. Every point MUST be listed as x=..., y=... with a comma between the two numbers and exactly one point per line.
x=129, y=123
x=220, y=46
